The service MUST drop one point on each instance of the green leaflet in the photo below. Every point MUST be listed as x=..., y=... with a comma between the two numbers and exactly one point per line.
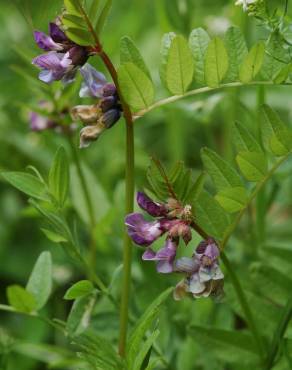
x=20, y=299
x=232, y=199
x=98, y=352
x=79, y=289
x=211, y=216
x=228, y=346
x=79, y=317
x=276, y=56
x=276, y=136
x=53, y=236
x=252, y=63
x=27, y=183
x=253, y=165
x=40, y=281
x=103, y=16
x=176, y=183
x=198, y=43
x=136, y=87
x=243, y=139
x=70, y=20
x=164, y=49
x=130, y=53
x=236, y=50
x=80, y=36
x=59, y=176
x=222, y=173
x=179, y=66
x=216, y=62
x=72, y=7
x=144, y=350
x=142, y=326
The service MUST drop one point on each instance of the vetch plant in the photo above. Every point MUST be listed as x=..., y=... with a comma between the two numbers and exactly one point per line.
x=178, y=207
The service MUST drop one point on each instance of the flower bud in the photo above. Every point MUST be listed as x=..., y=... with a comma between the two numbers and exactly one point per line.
x=110, y=117
x=109, y=89
x=90, y=133
x=86, y=113
x=107, y=103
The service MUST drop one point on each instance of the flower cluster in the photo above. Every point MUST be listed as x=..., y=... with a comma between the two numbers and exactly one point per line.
x=62, y=58
x=171, y=219
x=203, y=274
x=97, y=117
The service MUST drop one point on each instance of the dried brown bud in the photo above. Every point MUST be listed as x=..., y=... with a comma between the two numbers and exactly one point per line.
x=88, y=114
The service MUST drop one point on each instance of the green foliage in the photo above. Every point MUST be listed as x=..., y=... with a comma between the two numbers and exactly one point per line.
x=176, y=183
x=230, y=346
x=276, y=136
x=164, y=50
x=59, y=177
x=253, y=165
x=136, y=87
x=130, y=54
x=236, y=50
x=40, y=281
x=98, y=352
x=79, y=289
x=198, y=42
x=20, y=299
x=137, y=349
x=216, y=62
x=211, y=216
x=252, y=63
x=179, y=66
x=27, y=183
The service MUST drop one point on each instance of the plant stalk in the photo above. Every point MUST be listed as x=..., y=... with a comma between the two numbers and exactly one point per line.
x=244, y=305
x=89, y=205
x=130, y=184
x=279, y=333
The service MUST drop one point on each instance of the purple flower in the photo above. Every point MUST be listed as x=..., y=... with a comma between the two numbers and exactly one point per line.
x=63, y=59
x=141, y=231
x=154, y=209
x=39, y=122
x=94, y=82
x=165, y=256
x=203, y=274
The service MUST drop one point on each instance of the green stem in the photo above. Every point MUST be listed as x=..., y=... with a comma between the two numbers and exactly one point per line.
x=130, y=184
x=244, y=304
x=279, y=333
x=89, y=205
x=201, y=90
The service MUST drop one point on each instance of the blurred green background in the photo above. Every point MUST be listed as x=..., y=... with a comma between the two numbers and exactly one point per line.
x=176, y=132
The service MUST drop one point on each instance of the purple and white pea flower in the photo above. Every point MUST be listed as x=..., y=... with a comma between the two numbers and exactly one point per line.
x=203, y=274
x=63, y=57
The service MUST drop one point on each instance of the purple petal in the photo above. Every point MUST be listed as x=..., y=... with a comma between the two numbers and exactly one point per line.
x=168, y=252
x=93, y=82
x=152, y=208
x=56, y=33
x=45, y=42
x=212, y=251
x=164, y=267
x=49, y=60
x=142, y=232
x=186, y=264
x=38, y=122
x=149, y=255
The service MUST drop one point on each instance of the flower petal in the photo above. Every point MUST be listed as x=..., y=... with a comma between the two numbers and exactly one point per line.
x=93, y=82
x=141, y=231
x=164, y=267
x=154, y=209
x=46, y=42
x=56, y=33
x=186, y=264
x=195, y=285
x=149, y=255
